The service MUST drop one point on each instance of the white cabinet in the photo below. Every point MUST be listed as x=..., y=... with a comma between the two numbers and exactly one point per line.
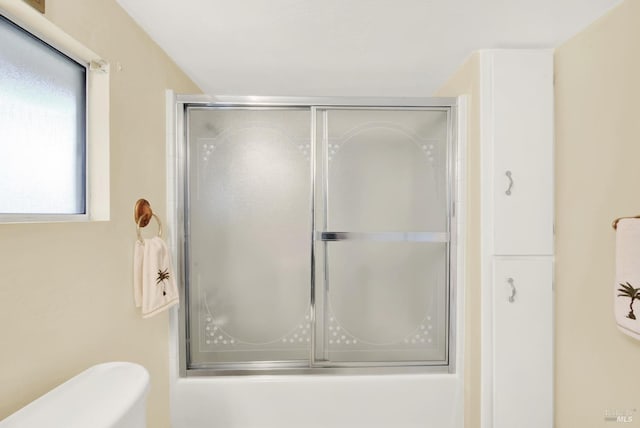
x=516, y=117
x=523, y=333
x=519, y=130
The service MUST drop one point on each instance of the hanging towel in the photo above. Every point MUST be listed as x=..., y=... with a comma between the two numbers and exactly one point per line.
x=626, y=304
x=154, y=285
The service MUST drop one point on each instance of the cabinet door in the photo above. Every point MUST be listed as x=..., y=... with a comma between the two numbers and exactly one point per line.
x=522, y=123
x=523, y=343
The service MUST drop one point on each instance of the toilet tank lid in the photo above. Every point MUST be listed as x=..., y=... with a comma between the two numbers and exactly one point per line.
x=97, y=397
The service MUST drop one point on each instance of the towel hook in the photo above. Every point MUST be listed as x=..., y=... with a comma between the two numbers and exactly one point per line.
x=142, y=214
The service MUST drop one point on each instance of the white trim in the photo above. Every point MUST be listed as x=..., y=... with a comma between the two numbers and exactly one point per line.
x=461, y=212
x=486, y=237
x=172, y=217
x=172, y=220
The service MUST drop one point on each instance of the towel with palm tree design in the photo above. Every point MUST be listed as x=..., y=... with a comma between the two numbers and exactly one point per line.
x=627, y=280
x=154, y=283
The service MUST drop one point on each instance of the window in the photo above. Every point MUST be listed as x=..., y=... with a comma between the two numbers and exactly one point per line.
x=54, y=122
x=318, y=237
x=42, y=127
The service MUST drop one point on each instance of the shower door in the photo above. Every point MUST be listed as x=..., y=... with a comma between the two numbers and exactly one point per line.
x=248, y=253
x=382, y=236
x=317, y=237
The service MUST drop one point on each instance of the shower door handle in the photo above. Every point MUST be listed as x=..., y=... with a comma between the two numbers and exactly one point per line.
x=384, y=236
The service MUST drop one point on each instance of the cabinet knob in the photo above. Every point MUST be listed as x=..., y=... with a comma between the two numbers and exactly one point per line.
x=512, y=297
x=508, y=174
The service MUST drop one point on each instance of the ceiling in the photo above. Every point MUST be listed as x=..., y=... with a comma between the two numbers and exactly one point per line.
x=348, y=47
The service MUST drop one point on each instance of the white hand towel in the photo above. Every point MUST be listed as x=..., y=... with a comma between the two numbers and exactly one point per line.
x=626, y=304
x=138, y=257
x=154, y=285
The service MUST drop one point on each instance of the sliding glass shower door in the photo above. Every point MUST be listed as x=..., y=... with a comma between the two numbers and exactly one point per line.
x=248, y=252
x=382, y=240
x=317, y=236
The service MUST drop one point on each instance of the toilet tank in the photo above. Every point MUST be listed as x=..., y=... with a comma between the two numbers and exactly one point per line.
x=109, y=395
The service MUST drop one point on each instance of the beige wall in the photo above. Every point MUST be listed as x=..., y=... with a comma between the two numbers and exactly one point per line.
x=65, y=289
x=466, y=81
x=597, y=179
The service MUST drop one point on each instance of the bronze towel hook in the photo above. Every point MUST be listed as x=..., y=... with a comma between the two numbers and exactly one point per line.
x=142, y=214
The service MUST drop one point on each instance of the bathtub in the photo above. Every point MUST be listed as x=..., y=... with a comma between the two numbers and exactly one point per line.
x=387, y=401
x=327, y=401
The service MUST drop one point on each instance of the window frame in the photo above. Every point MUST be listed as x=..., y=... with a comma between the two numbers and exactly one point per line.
x=96, y=114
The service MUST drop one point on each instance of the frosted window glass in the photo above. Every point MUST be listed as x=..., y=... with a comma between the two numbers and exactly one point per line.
x=42, y=127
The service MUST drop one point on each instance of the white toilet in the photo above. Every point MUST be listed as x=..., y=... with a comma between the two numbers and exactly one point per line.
x=109, y=395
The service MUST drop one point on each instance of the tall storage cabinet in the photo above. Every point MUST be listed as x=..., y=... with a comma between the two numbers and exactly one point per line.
x=517, y=238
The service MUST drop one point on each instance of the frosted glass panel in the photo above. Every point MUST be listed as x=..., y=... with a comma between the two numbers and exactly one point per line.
x=249, y=235
x=387, y=170
x=373, y=250
x=385, y=225
x=386, y=301
x=42, y=127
